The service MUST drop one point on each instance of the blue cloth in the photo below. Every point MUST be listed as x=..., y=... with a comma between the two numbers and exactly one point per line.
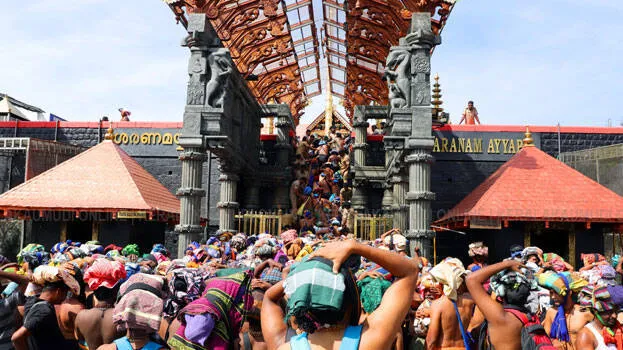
x=350, y=341
x=559, y=325
x=124, y=344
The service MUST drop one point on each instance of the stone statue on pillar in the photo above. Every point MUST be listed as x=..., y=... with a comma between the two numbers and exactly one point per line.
x=410, y=141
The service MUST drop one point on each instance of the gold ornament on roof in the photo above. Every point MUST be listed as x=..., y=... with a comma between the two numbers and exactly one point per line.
x=528, y=141
x=109, y=133
x=437, y=102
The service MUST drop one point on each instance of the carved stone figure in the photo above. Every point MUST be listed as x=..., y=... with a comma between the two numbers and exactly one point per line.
x=220, y=70
x=396, y=98
x=196, y=90
x=398, y=76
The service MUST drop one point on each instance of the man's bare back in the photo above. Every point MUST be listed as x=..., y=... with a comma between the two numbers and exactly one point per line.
x=96, y=327
x=66, y=314
x=507, y=335
x=444, y=330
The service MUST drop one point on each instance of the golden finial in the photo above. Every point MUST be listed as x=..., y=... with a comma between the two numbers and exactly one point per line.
x=437, y=102
x=109, y=133
x=528, y=141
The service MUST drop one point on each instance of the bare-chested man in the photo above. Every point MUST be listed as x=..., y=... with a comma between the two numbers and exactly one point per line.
x=95, y=327
x=504, y=328
x=576, y=316
x=444, y=331
x=380, y=327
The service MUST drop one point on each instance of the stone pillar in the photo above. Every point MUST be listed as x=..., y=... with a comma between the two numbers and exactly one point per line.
x=388, y=197
x=227, y=204
x=284, y=150
x=419, y=198
x=252, y=195
x=408, y=72
x=191, y=139
x=190, y=194
x=360, y=200
x=400, y=186
x=361, y=141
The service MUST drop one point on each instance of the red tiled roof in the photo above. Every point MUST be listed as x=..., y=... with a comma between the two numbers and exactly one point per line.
x=533, y=186
x=102, y=178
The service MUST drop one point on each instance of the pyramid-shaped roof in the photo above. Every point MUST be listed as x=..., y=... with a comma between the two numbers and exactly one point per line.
x=101, y=179
x=533, y=186
x=337, y=118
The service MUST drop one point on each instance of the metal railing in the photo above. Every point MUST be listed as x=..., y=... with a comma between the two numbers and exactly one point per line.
x=370, y=227
x=256, y=222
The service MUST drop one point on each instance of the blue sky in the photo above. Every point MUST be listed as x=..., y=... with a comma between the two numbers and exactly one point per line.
x=535, y=62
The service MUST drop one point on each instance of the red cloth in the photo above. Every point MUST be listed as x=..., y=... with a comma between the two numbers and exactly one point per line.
x=104, y=273
x=112, y=247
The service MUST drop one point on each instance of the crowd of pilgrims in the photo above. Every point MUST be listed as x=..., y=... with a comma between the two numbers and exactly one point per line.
x=300, y=291
x=321, y=192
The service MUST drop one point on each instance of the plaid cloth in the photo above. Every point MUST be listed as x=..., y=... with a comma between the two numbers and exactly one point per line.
x=313, y=285
x=227, y=301
x=271, y=275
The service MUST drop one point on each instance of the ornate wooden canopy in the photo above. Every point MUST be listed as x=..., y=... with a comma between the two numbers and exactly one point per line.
x=274, y=44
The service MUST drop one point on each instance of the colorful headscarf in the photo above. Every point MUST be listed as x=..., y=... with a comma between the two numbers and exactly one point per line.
x=184, y=286
x=34, y=254
x=140, y=304
x=289, y=236
x=450, y=273
x=160, y=248
x=596, y=298
x=45, y=274
x=223, y=307
x=239, y=242
x=130, y=249
x=104, y=273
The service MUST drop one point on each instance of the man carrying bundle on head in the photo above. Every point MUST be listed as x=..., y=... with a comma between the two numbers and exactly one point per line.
x=451, y=314
x=565, y=319
x=323, y=308
x=95, y=327
x=604, y=332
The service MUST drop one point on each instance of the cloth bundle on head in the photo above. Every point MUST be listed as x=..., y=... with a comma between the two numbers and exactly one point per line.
x=264, y=248
x=34, y=254
x=616, y=295
x=239, y=242
x=46, y=274
x=478, y=248
x=104, y=273
x=596, y=298
x=531, y=251
x=450, y=273
x=213, y=321
x=289, y=236
x=371, y=292
x=160, y=248
x=312, y=288
x=503, y=281
x=184, y=286
x=130, y=249
x=90, y=248
x=113, y=247
x=399, y=241
x=589, y=259
x=557, y=282
x=140, y=304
